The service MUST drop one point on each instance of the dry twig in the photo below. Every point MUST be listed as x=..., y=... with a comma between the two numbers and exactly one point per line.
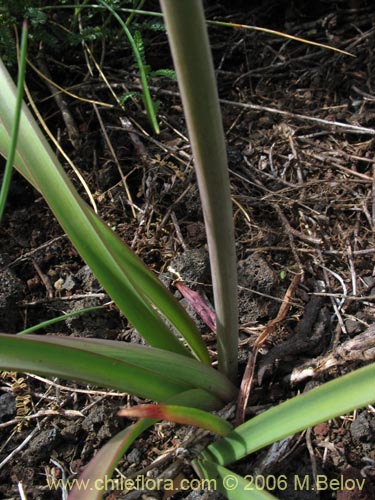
x=248, y=377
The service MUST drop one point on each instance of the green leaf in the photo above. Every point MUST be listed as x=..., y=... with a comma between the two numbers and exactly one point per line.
x=329, y=400
x=126, y=96
x=174, y=366
x=63, y=317
x=138, y=40
x=46, y=357
x=181, y=415
x=187, y=33
x=166, y=73
x=143, y=371
x=136, y=291
x=16, y=122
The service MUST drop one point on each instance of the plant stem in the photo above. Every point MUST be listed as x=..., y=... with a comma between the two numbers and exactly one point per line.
x=192, y=58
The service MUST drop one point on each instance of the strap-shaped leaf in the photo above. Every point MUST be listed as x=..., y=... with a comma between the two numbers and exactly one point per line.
x=48, y=358
x=329, y=400
x=187, y=33
x=181, y=415
x=136, y=291
x=143, y=371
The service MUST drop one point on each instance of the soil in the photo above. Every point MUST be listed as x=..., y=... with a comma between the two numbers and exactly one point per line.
x=300, y=128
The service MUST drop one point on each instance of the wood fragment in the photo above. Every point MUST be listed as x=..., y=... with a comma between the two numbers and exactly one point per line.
x=359, y=349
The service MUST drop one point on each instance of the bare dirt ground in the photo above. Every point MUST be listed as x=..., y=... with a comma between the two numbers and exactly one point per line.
x=300, y=126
